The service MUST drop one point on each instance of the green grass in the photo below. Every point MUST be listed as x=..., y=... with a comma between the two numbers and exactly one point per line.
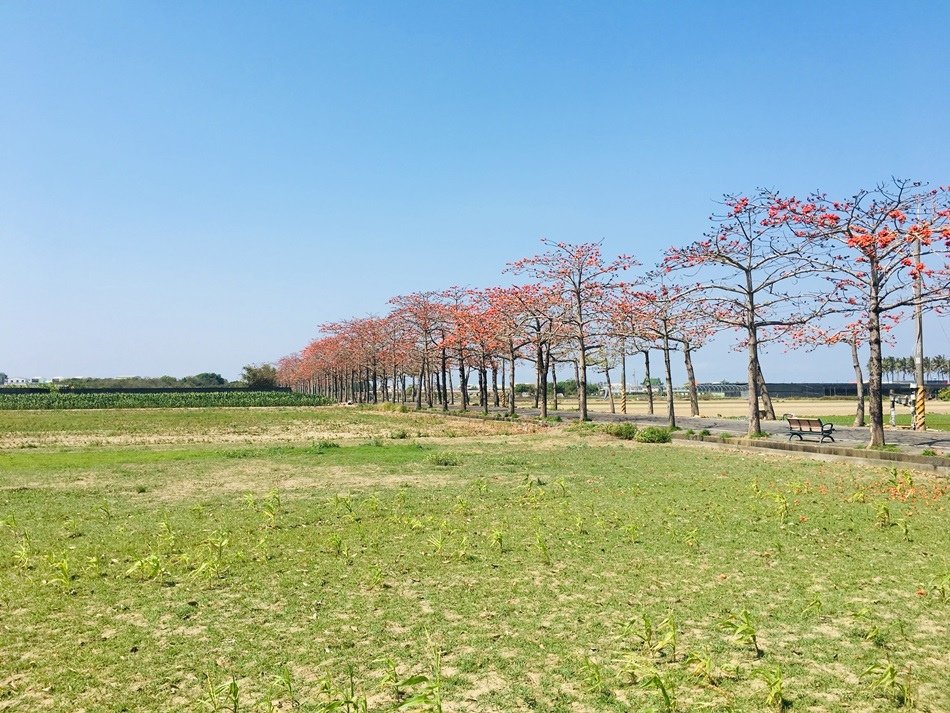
x=542, y=568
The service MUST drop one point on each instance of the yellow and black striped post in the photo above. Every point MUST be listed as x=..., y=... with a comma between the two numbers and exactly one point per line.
x=623, y=402
x=920, y=410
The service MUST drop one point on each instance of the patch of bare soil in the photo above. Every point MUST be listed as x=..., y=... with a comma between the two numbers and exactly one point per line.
x=379, y=425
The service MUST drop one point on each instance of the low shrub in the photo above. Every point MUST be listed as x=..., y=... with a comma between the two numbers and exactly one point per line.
x=624, y=431
x=445, y=460
x=944, y=394
x=653, y=434
x=400, y=434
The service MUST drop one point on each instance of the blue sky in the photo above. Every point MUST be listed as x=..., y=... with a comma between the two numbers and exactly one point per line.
x=190, y=187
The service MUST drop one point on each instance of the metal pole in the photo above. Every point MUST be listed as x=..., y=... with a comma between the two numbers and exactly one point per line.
x=920, y=403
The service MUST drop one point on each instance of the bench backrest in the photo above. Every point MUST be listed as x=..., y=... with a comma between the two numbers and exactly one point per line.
x=805, y=423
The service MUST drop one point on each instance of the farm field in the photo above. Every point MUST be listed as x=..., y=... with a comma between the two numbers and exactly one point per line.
x=270, y=559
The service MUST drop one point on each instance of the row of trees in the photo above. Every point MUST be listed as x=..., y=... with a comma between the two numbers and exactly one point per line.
x=771, y=269
x=937, y=366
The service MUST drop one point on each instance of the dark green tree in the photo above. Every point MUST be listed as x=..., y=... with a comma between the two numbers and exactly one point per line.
x=259, y=376
x=206, y=379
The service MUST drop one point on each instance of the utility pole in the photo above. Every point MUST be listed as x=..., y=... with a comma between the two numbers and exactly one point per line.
x=920, y=402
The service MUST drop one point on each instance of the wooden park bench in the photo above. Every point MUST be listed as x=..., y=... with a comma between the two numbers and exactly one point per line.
x=802, y=427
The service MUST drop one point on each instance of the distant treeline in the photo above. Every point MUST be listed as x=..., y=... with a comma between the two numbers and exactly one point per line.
x=204, y=379
x=21, y=399
x=255, y=377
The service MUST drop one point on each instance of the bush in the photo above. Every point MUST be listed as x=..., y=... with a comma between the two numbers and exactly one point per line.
x=400, y=434
x=944, y=394
x=624, y=431
x=653, y=434
x=445, y=460
x=705, y=432
x=390, y=406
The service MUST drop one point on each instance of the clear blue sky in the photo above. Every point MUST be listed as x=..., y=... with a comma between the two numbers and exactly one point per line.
x=190, y=187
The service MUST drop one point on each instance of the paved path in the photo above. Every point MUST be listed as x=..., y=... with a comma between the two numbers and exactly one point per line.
x=909, y=441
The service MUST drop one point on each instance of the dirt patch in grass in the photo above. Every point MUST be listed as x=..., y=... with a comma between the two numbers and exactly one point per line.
x=173, y=428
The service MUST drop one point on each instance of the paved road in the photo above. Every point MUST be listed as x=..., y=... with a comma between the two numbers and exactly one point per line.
x=910, y=441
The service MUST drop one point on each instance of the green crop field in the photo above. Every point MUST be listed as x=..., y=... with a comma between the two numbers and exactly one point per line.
x=353, y=559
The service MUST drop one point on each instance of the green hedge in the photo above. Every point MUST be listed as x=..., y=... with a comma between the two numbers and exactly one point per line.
x=159, y=400
x=944, y=395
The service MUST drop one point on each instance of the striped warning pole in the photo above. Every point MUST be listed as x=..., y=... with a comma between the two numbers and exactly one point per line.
x=623, y=402
x=920, y=410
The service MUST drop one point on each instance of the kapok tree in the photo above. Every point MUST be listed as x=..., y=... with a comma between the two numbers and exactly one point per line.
x=579, y=273
x=879, y=247
x=855, y=335
x=423, y=316
x=542, y=309
x=632, y=325
x=749, y=271
x=511, y=315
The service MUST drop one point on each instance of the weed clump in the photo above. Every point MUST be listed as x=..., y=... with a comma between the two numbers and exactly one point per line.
x=445, y=460
x=624, y=431
x=653, y=434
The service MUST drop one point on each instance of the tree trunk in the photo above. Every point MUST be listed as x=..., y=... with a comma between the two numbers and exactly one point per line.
x=504, y=384
x=582, y=379
x=610, y=388
x=553, y=381
x=430, y=374
x=444, y=367
x=511, y=372
x=649, y=380
x=463, y=381
x=417, y=387
x=755, y=425
x=538, y=374
x=875, y=405
x=766, y=399
x=494, y=384
x=670, y=414
x=543, y=359
x=691, y=380
x=858, y=382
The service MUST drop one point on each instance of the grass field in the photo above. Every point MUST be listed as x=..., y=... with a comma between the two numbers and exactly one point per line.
x=230, y=559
